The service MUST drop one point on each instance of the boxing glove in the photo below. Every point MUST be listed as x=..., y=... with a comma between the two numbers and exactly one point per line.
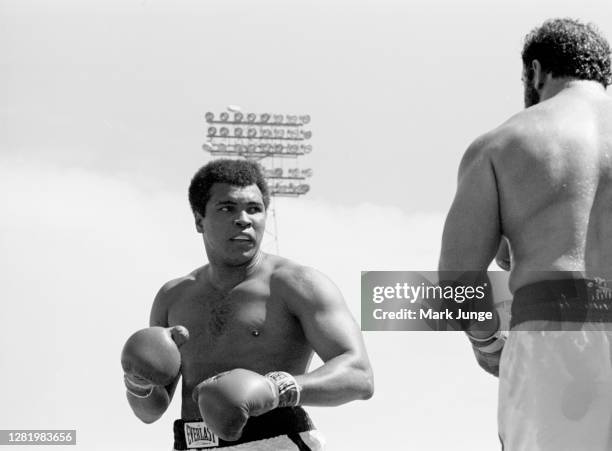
x=488, y=350
x=151, y=357
x=227, y=400
x=489, y=357
x=503, y=258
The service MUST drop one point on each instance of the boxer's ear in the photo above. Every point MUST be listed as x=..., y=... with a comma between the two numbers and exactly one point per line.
x=199, y=219
x=538, y=76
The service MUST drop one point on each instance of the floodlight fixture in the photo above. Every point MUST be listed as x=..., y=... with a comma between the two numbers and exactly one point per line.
x=263, y=137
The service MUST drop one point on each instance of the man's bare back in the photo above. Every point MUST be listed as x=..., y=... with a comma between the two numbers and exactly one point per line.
x=248, y=326
x=543, y=179
x=542, y=182
x=553, y=164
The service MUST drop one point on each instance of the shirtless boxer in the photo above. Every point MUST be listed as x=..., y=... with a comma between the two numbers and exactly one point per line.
x=543, y=180
x=254, y=321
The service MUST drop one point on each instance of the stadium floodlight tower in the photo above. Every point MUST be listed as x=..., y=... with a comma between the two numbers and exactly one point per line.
x=276, y=141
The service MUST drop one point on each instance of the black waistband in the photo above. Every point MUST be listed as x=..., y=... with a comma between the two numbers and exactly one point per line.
x=564, y=300
x=282, y=421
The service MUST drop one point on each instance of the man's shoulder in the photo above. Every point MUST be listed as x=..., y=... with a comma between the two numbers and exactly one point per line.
x=169, y=293
x=520, y=132
x=286, y=271
x=296, y=279
x=175, y=287
x=525, y=124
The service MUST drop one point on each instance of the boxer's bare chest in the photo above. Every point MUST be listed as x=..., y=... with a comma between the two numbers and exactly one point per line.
x=244, y=327
x=215, y=316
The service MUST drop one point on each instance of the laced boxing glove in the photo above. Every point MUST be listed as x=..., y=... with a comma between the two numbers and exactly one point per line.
x=227, y=400
x=151, y=357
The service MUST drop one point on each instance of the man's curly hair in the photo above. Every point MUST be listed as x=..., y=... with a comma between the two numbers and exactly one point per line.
x=233, y=172
x=569, y=48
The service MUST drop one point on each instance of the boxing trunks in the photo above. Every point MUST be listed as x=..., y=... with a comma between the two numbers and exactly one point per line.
x=287, y=428
x=555, y=383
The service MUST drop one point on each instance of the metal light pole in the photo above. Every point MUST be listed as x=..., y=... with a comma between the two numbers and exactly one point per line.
x=276, y=141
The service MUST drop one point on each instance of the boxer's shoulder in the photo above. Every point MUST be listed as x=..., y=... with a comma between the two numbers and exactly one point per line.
x=180, y=285
x=172, y=292
x=519, y=136
x=289, y=275
x=524, y=129
x=302, y=285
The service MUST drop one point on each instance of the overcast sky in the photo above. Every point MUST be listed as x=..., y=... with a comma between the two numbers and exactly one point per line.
x=101, y=124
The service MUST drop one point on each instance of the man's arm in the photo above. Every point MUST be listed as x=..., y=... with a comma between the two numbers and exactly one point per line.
x=330, y=329
x=471, y=239
x=152, y=407
x=472, y=231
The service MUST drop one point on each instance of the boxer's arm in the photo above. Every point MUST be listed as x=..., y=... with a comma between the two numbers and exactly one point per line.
x=472, y=231
x=152, y=407
x=330, y=329
x=472, y=235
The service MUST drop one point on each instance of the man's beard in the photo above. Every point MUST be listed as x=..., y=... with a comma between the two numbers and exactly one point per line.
x=531, y=95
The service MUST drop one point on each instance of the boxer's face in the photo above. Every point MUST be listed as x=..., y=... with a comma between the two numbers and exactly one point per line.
x=234, y=223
